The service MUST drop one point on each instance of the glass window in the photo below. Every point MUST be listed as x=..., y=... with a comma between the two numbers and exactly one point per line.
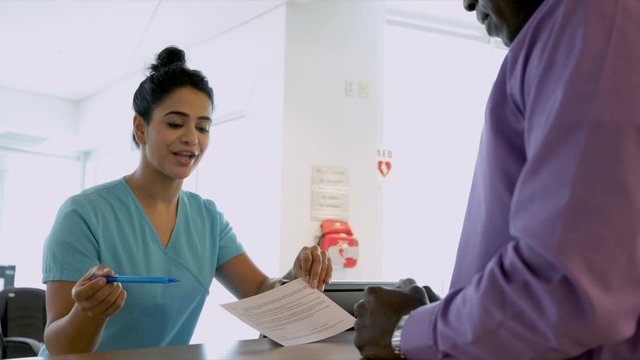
x=32, y=188
x=436, y=87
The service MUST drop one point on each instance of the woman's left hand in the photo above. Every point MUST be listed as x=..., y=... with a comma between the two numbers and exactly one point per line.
x=314, y=266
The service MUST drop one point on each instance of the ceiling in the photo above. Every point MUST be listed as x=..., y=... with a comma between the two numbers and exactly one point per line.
x=71, y=49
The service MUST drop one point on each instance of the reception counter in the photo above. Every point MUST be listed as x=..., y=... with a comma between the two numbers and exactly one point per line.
x=339, y=347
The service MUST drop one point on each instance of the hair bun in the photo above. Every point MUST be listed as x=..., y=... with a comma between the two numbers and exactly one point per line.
x=169, y=56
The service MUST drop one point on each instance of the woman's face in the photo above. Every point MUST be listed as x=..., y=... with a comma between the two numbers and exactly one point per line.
x=177, y=136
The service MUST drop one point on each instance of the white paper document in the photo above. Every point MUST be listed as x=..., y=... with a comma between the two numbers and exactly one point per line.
x=292, y=314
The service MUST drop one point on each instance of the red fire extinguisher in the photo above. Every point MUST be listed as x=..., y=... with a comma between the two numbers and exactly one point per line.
x=338, y=241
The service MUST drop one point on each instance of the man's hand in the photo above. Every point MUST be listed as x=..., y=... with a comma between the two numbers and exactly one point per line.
x=378, y=314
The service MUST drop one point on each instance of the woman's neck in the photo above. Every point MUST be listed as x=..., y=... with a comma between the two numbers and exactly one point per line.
x=154, y=188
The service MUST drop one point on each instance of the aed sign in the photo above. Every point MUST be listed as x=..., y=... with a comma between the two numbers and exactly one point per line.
x=384, y=163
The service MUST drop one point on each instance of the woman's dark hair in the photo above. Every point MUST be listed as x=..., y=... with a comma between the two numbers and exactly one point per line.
x=166, y=75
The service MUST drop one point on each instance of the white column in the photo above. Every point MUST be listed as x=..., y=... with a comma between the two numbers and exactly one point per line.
x=327, y=44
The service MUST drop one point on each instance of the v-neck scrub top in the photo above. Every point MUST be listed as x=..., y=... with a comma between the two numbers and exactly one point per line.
x=106, y=225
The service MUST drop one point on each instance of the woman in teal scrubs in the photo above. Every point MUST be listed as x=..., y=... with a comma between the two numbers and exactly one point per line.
x=145, y=224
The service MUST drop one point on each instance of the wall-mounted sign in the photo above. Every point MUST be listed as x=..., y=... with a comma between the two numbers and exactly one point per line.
x=329, y=193
x=384, y=163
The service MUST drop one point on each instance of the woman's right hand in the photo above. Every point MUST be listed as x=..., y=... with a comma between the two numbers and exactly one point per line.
x=96, y=297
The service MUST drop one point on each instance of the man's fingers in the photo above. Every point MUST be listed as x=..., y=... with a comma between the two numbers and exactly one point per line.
x=410, y=286
x=372, y=292
x=405, y=284
x=431, y=295
x=419, y=292
x=359, y=308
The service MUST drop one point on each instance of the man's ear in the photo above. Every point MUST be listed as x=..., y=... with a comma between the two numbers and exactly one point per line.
x=139, y=128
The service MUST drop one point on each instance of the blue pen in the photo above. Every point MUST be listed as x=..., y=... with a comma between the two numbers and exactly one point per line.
x=140, y=279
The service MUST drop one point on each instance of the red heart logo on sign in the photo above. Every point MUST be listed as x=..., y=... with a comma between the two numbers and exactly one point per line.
x=384, y=167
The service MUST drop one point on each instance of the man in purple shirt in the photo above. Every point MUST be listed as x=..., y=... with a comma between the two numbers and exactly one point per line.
x=548, y=264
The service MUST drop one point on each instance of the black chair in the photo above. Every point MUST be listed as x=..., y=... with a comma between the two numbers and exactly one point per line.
x=23, y=316
x=8, y=275
x=346, y=293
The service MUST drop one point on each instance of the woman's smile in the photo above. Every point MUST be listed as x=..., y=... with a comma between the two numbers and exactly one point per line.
x=186, y=158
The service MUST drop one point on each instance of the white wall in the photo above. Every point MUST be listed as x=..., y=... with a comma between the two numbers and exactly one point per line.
x=328, y=43
x=105, y=119
x=36, y=115
x=104, y=132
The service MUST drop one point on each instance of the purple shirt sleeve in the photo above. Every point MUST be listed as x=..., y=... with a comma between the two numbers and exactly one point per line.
x=548, y=264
